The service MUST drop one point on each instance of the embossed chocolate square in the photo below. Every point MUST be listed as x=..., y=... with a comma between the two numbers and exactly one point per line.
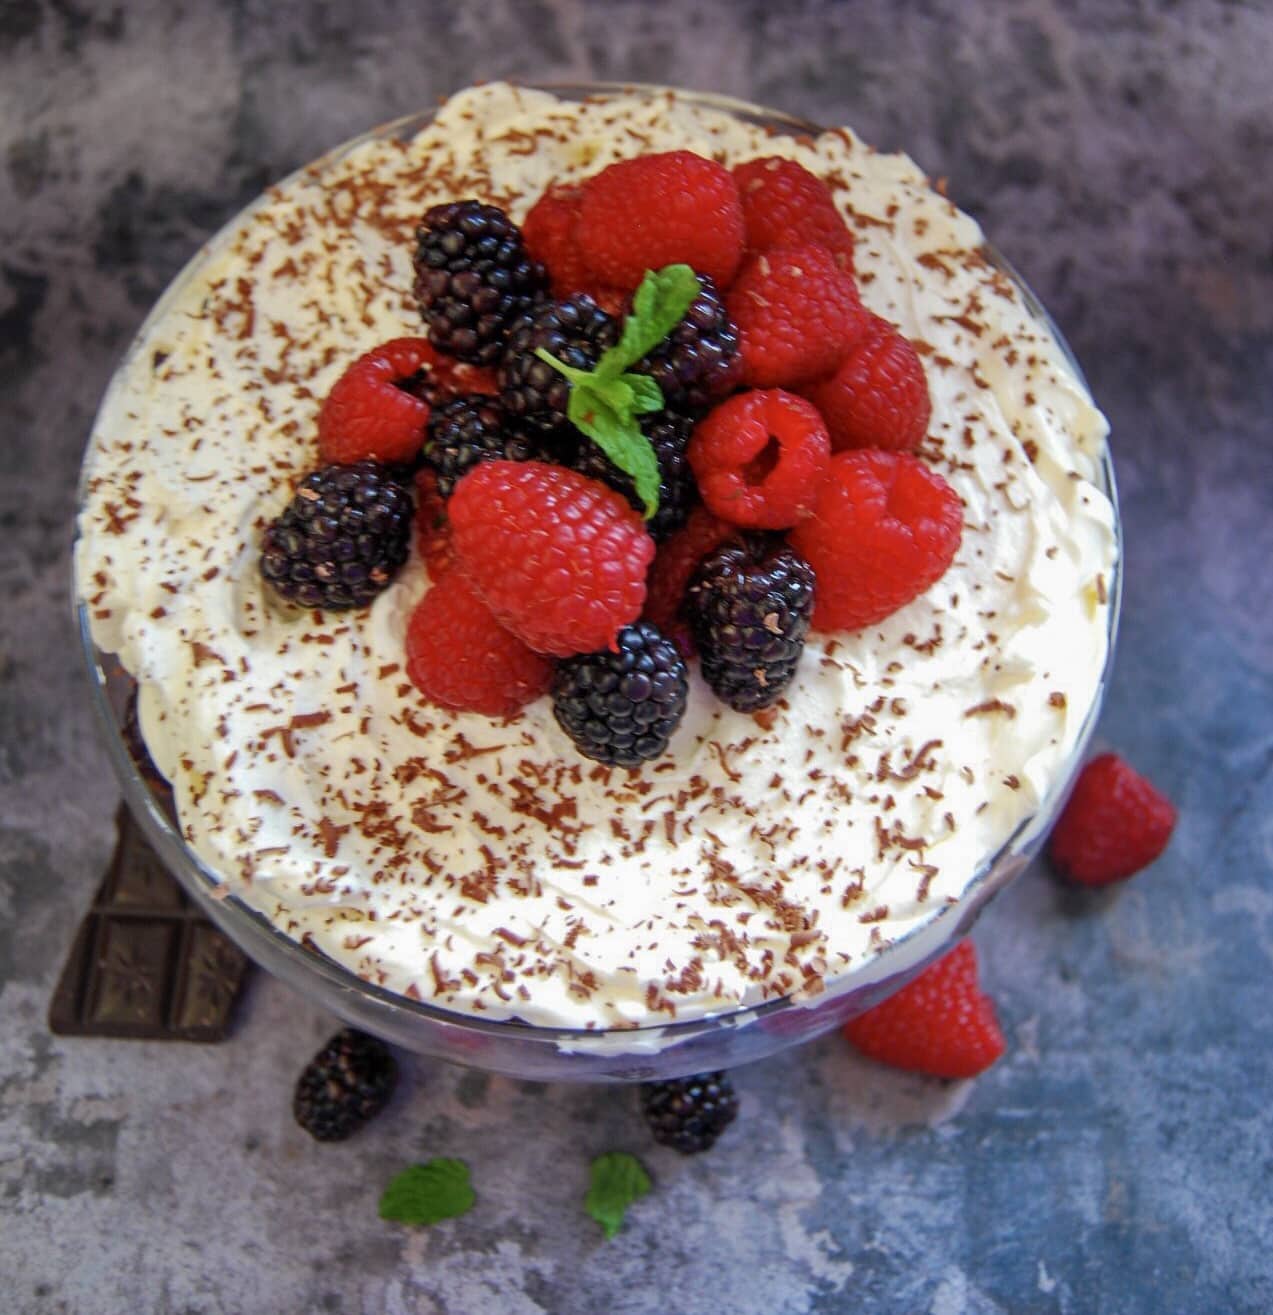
x=144, y=963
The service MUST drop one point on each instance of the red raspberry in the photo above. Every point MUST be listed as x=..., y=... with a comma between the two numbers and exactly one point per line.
x=367, y=414
x=1115, y=823
x=797, y=314
x=549, y=233
x=678, y=555
x=614, y=301
x=559, y=558
x=878, y=396
x=659, y=210
x=459, y=656
x=378, y=408
x=432, y=528
x=785, y=205
x=883, y=530
x=941, y=1024
x=759, y=459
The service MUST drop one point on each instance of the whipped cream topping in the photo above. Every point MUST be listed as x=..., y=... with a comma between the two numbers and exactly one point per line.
x=484, y=865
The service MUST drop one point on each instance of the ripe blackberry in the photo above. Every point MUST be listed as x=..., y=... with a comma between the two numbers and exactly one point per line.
x=688, y=1114
x=476, y=428
x=342, y=537
x=748, y=605
x=473, y=277
x=669, y=433
x=347, y=1083
x=697, y=363
x=576, y=331
x=621, y=707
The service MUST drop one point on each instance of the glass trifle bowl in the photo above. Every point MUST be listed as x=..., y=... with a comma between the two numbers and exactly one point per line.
x=765, y=880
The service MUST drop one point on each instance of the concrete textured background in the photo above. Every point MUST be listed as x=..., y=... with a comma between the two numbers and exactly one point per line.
x=1118, y=1159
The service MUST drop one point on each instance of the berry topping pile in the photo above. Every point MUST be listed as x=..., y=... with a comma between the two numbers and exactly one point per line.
x=666, y=353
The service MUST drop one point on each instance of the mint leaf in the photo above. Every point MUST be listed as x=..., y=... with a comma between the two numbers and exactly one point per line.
x=646, y=394
x=617, y=1179
x=658, y=307
x=427, y=1193
x=615, y=431
x=573, y=373
x=605, y=402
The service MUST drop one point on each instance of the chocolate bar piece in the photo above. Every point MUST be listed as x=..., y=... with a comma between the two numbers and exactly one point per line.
x=145, y=963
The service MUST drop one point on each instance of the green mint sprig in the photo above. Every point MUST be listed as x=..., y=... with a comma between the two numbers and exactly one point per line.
x=428, y=1193
x=616, y=1181
x=606, y=400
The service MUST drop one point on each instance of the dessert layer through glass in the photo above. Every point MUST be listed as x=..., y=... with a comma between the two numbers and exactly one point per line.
x=890, y=915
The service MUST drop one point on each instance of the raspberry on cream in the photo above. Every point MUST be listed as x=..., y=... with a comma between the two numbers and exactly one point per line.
x=481, y=864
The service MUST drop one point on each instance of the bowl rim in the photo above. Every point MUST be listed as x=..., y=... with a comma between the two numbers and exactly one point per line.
x=265, y=942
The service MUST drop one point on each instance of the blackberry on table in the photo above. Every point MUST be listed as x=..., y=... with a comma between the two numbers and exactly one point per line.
x=576, y=331
x=689, y=1114
x=749, y=604
x=669, y=434
x=342, y=537
x=473, y=277
x=472, y=428
x=696, y=364
x=347, y=1083
x=621, y=707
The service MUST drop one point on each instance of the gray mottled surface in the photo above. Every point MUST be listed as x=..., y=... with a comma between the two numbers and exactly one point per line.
x=1118, y=1160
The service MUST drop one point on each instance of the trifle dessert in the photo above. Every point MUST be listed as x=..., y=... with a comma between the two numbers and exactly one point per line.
x=602, y=563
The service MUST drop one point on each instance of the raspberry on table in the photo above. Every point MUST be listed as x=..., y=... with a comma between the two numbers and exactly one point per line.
x=559, y=558
x=760, y=458
x=341, y=539
x=549, y=233
x=459, y=656
x=576, y=332
x=475, y=428
x=784, y=205
x=878, y=395
x=883, y=530
x=473, y=277
x=432, y=526
x=698, y=362
x=374, y=410
x=346, y=1084
x=621, y=707
x=748, y=605
x=669, y=435
x=798, y=313
x=665, y=209
x=941, y=1024
x=689, y=1114
x=677, y=559
x=1115, y=823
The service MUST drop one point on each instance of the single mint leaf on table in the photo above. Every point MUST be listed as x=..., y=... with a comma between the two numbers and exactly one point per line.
x=617, y=1179
x=428, y=1193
